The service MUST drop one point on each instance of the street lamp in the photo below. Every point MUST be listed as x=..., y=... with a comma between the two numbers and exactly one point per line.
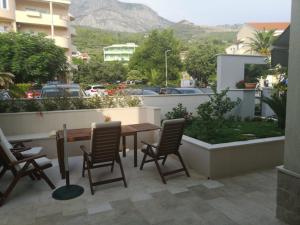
x=166, y=59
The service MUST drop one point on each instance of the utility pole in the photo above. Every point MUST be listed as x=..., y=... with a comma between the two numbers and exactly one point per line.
x=166, y=60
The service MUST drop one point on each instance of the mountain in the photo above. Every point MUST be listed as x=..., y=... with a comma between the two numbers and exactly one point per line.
x=116, y=16
x=188, y=31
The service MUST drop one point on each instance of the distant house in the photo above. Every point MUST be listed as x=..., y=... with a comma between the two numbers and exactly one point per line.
x=119, y=52
x=247, y=31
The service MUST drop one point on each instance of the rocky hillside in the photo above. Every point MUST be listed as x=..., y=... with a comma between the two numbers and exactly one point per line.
x=116, y=16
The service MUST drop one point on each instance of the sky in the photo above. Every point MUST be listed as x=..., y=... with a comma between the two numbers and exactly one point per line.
x=218, y=12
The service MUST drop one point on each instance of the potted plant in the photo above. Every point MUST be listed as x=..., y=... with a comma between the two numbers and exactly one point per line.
x=240, y=84
x=250, y=82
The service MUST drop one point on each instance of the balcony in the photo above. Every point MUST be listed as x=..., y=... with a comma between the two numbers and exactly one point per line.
x=38, y=18
x=61, y=41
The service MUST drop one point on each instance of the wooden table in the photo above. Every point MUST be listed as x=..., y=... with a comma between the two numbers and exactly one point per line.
x=84, y=134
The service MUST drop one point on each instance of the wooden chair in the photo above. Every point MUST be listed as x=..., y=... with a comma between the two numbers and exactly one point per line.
x=19, y=150
x=105, y=145
x=33, y=167
x=169, y=142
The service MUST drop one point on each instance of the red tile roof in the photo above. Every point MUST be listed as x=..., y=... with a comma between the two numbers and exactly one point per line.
x=269, y=26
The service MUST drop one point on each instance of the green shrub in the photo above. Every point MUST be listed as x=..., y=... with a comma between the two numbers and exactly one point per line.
x=52, y=104
x=179, y=112
x=32, y=106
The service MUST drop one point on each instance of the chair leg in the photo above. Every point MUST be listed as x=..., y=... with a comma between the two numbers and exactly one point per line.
x=90, y=177
x=83, y=167
x=112, y=166
x=2, y=172
x=122, y=171
x=46, y=178
x=9, y=189
x=159, y=170
x=183, y=165
x=164, y=161
x=143, y=161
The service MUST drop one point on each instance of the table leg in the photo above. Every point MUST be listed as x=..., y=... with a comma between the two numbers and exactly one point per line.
x=124, y=145
x=135, y=150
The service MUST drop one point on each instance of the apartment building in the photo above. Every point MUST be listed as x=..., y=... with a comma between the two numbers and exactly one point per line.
x=39, y=16
x=119, y=52
x=247, y=32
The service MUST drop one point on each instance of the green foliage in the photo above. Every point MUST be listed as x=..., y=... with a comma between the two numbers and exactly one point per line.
x=135, y=75
x=31, y=58
x=6, y=79
x=201, y=62
x=262, y=41
x=53, y=104
x=211, y=114
x=19, y=90
x=97, y=71
x=234, y=130
x=253, y=72
x=179, y=112
x=149, y=58
x=277, y=103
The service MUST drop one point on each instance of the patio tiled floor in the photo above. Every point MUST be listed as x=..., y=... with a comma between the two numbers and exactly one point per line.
x=241, y=200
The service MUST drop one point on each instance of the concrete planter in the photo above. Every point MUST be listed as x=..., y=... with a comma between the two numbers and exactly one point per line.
x=230, y=159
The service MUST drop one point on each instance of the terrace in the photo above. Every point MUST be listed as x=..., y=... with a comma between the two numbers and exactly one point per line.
x=246, y=199
x=252, y=191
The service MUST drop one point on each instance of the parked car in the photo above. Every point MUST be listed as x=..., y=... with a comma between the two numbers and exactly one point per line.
x=169, y=91
x=180, y=91
x=4, y=95
x=138, y=92
x=62, y=90
x=95, y=90
x=33, y=92
x=187, y=91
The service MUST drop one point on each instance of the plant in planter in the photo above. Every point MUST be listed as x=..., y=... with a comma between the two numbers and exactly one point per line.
x=180, y=112
x=253, y=73
x=240, y=84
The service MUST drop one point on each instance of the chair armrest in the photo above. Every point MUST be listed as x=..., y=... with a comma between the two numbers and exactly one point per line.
x=84, y=150
x=20, y=143
x=149, y=144
x=20, y=149
x=28, y=159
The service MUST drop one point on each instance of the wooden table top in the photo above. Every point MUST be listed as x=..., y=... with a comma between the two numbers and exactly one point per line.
x=84, y=134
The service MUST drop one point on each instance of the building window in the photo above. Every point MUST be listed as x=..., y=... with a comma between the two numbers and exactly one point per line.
x=4, y=4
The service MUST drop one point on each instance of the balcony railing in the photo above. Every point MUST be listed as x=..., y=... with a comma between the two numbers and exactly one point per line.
x=33, y=17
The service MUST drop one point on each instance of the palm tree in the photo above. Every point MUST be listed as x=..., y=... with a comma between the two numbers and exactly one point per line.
x=262, y=42
x=6, y=79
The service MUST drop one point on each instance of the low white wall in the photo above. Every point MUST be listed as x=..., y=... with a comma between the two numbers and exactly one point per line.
x=41, y=127
x=247, y=106
x=230, y=159
x=167, y=102
x=266, y=111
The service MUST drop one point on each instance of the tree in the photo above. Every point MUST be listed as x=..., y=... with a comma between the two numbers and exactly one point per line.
x=136, y=75
x=96, y=71
x=201, y=62
x=31, y=58
x=150, y=56
x=6, y=79
x=262, y=42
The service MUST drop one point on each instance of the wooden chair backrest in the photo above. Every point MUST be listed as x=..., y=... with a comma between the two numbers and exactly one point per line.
x=105, y=141
x=171, y=135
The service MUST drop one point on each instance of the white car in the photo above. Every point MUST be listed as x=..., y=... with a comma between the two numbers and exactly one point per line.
x=95, y=90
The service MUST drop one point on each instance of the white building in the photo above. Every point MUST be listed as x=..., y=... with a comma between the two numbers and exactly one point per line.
x=119, y=52
x=247, y=32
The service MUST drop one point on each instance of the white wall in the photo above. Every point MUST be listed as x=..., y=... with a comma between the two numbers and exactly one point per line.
x=45, y=122
x=168, y=102
x=231, y=68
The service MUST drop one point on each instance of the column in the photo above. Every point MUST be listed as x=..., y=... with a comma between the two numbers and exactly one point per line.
x=288, y=192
